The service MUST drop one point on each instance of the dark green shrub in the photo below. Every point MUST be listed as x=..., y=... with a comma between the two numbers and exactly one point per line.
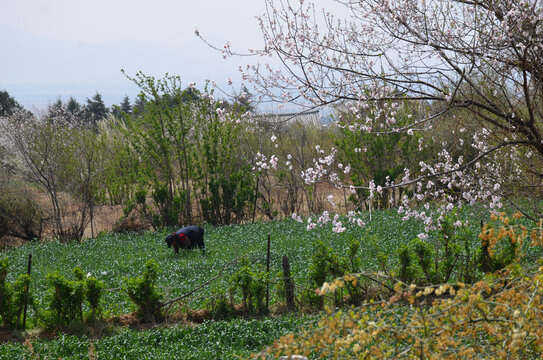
x=406, y=272
x=258, y=290
x=67, y=299
x=94, y=291
x=144, y=292
x=226, y=199
x=445, y=255
x=13, y=297
x=318, y=267
x=327, y=264
x=252, y=285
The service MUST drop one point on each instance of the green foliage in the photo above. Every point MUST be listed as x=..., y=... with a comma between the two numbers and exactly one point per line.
x=220, y=306
x=94, y=291
x=327, y=264
x=447, y=254
x=377, y=157
x=226, y=200
x=66, y=299
x=406, y=272
x=318, y=267
x=144, y=292
x=419, y=263
x=13, y=297
x=225, y=340
x=251, y=283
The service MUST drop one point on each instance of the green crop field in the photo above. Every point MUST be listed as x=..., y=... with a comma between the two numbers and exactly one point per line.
x=211, y=340
x=112, y=257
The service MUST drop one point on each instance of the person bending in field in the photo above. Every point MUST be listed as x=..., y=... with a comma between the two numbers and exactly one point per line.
x=186, y=238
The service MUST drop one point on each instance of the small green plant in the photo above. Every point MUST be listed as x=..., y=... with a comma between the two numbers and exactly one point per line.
x=420, y=263
x=144, y=292
x=327, y=264
x=13, y=297
x=318, y=268
x=94, y=291
x=446, y=255
x=220, y=305
x=252, y=285
x=67, y=299
x=406, y=271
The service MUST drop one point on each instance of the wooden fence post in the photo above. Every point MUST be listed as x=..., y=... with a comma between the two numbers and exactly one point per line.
x=268, y=272
x=26, y=290
x=485, y=266
x=289, y=284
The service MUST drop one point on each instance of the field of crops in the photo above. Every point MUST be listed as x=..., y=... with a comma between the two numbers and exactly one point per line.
x=112, y=257
x=211, y=340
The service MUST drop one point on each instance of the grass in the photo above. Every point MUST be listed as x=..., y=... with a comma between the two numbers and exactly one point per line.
x=210, y=340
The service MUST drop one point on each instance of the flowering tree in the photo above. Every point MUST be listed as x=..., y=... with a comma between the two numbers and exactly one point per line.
x=474, y=64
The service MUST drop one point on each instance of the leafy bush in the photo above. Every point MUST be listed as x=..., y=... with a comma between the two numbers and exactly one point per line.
x=144, y=292
x=67, y=297
x=446, y=255
x=220, y=306
x=13, y=297
x=326, y=265
x=502, y=240
x=252, y=285
x=94, y=291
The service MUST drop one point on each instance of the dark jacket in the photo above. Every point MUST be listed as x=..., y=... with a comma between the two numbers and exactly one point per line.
x=192, y=236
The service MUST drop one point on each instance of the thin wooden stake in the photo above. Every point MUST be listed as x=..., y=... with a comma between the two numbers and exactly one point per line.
x=268, y=272
x=26, y=290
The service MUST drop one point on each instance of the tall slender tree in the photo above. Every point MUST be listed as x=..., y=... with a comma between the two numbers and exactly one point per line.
x=95, y=109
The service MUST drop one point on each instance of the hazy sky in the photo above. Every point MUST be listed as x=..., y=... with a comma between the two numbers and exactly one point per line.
x=58, y=48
